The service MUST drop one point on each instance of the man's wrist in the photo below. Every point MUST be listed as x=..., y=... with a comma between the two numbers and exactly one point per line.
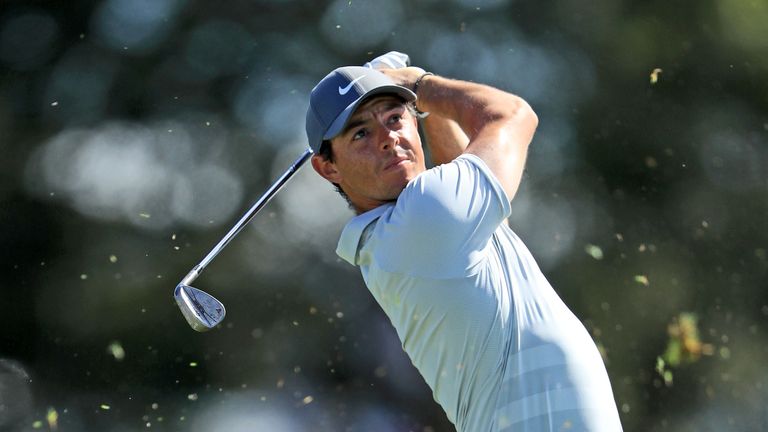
x=416, y=85
x=418, y=81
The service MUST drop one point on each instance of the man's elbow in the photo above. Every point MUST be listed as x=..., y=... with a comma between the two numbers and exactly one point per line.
x=525, y=115
x=511, y=108
x=522, y=119
x=533, y=118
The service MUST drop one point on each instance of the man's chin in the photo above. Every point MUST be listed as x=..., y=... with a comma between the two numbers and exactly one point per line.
x=398, y=185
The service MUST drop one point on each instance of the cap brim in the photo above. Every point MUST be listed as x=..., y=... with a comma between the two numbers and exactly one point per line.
x=341, y=121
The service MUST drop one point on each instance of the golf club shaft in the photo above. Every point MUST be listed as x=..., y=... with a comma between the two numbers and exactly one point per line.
x=258, y=205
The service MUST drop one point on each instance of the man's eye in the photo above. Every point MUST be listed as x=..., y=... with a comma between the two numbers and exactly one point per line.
x=360, y=134
x=395, y=118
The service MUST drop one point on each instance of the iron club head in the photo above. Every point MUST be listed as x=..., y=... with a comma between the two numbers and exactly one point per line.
x=202, y=311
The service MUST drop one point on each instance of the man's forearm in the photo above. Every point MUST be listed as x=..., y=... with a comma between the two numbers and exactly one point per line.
x=472, y=106
x=444, y=137
x=499, y=125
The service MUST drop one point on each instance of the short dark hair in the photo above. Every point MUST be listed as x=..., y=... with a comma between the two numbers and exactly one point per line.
x=326, y=152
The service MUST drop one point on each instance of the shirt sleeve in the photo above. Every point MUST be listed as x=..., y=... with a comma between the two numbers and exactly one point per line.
x=443, y=220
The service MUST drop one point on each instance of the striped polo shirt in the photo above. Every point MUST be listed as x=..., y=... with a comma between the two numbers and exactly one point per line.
x=495, y=343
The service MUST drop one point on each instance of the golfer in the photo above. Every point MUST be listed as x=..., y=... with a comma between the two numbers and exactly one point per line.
x=497, y=346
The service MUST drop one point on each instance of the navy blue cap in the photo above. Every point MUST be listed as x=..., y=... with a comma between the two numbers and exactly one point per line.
x=335, y=98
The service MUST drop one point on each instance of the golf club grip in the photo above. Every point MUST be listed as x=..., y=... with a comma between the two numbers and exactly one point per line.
x=255, y=208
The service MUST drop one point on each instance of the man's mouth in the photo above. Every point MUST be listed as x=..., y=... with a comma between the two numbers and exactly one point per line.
x=396, y=162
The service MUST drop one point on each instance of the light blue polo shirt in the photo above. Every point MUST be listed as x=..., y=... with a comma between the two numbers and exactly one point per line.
x=497, y=346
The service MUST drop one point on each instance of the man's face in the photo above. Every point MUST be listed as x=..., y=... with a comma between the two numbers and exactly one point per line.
x=377, y=154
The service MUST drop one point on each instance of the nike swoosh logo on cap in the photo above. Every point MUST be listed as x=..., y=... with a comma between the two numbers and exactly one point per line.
x=345, y=90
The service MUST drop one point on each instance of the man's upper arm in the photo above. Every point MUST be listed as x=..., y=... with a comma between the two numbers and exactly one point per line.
x=502, y=143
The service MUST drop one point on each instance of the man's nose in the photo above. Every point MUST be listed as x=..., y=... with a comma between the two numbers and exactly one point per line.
x=387, y=137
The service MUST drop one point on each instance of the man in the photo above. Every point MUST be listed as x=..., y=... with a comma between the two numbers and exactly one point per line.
x=497, y=346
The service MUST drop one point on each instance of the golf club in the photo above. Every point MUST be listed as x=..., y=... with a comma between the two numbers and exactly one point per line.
x=201, y=310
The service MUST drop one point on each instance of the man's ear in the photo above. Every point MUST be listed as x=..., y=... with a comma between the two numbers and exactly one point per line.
x=326, y=169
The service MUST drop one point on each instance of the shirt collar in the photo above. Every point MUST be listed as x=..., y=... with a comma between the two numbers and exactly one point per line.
x=350, y=236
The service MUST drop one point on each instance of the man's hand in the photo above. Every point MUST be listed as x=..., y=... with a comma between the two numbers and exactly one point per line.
x=406, y=76
x=390, y=60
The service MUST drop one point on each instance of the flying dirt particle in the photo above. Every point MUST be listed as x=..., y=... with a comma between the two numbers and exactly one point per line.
x=655, y=75
x=115, y=348
x=642, y=280
x=113, y=259
x=53, y=418
x=725, y=353
x=145, y=215
x=83, y=276
x=105, y=407
x=192, y=396
x=664, y=372
x=307, y=400
x=594, y=251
